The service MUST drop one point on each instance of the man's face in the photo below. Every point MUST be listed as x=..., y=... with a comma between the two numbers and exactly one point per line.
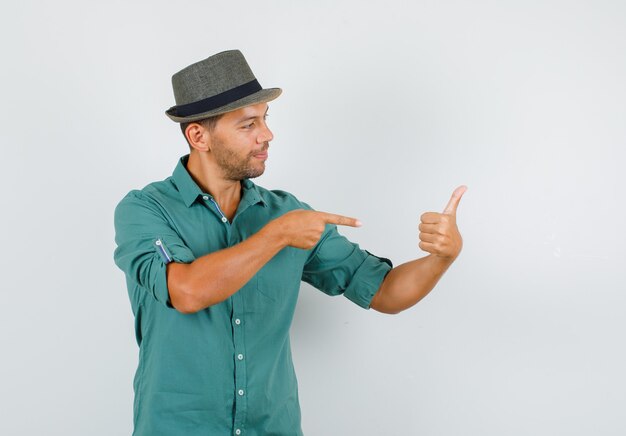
x=240, y=140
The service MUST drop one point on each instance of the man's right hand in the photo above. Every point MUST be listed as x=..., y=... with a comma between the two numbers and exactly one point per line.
x=303, y=228
x=214, y=277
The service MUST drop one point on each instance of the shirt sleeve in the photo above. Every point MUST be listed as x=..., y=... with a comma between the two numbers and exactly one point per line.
x=337, y=266
x=146, y=243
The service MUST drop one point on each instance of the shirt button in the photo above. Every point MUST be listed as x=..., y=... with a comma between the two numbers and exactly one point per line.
x=240, y=356
x=237, y=432
x=224, y=219
x=237, y=321
x=205, y=197
x=240, y=392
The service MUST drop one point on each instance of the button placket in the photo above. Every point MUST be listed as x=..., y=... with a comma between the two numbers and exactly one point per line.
x=240, y=365
x=208, y=198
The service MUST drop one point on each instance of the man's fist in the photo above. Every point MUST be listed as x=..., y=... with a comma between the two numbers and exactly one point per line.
x=439, y=234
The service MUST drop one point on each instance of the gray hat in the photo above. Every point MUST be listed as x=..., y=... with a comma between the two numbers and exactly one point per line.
x=221, y=83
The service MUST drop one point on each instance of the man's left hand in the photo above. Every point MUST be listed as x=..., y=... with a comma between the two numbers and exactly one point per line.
x=439, y=234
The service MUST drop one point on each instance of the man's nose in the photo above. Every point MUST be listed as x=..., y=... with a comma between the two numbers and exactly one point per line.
x=266, y=135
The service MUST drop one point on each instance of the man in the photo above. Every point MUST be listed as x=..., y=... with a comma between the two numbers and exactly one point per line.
x=213, y=265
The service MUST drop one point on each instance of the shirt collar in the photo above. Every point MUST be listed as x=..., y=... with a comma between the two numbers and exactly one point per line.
x=251, y=195
x=190, y=191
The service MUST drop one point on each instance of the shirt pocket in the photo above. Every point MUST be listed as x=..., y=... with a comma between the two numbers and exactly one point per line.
x=279, y=280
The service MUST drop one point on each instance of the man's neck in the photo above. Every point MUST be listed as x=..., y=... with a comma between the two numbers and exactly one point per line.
x=208, y=176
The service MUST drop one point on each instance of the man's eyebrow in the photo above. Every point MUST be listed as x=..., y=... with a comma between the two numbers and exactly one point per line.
x=241, y=120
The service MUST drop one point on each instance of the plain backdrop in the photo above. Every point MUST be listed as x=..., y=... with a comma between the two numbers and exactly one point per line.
x=387, y=107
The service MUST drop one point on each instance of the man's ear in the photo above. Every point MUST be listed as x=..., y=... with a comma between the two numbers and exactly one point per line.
x=198, y=137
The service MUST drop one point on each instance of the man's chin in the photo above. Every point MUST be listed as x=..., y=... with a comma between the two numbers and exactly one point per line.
x=255, y=175
x=257, y=172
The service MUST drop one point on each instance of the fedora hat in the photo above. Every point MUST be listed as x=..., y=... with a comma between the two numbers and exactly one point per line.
x=220, y=83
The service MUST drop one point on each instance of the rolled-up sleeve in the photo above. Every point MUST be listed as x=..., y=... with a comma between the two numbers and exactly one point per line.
x=337, y=266
x=146, y=243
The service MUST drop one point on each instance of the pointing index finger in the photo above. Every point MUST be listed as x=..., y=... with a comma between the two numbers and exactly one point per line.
x=454, y=200
x=331, y=218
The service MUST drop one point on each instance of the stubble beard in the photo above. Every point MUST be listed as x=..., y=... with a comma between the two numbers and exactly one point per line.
x=234, y=167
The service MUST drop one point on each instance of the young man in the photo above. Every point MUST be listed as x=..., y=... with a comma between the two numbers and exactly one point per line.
x=213, y=265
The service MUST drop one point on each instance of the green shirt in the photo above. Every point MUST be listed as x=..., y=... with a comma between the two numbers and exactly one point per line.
x=227, y=369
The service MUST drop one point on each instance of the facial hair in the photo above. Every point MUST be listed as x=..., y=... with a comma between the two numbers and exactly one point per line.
x=234, y=166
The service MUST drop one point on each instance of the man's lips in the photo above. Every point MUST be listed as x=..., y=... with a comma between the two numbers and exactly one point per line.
x=262, y=155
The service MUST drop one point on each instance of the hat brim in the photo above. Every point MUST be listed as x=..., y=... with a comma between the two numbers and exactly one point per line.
x=262, y=96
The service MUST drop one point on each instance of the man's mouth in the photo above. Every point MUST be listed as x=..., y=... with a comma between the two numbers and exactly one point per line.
x=262, y=154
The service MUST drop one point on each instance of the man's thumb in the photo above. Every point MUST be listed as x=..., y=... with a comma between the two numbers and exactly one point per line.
x=454, y=200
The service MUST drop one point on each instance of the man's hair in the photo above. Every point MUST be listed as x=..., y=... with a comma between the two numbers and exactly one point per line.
x=207, y=123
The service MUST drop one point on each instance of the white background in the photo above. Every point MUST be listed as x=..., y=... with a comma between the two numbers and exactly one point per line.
x=387, y=107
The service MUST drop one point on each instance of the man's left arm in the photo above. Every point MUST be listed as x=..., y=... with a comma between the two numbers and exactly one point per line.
x=408, y=283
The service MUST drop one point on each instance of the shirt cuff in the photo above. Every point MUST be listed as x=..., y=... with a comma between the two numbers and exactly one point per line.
x=367, y=280
x=162, y=257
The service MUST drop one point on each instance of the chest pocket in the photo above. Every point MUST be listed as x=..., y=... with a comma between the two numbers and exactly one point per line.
x=278, y=282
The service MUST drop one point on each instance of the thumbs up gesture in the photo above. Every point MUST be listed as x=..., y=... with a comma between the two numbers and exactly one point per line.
x=439, y=234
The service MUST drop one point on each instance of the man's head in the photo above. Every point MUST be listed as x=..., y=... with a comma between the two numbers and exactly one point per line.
x=222, y=111
x=237, y=141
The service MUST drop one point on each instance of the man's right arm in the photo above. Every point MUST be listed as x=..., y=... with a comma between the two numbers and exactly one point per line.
x=216, y=276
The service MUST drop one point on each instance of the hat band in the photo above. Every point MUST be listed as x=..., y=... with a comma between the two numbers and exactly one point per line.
x=217, y=101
